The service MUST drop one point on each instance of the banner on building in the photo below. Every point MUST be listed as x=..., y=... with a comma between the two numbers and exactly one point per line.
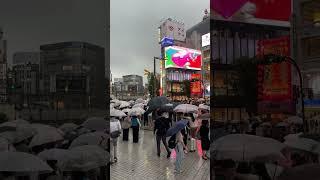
x=274, y=81
x=271, y=12
x=173, y=29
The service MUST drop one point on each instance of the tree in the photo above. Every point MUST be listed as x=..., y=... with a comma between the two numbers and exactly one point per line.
x=246, y=84
x=151, y=83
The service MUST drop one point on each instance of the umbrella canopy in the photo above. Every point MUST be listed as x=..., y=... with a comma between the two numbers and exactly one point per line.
x=177, y=127
x=126, y=110
x=18, y=132
x=95, y=138
x=157, y=102
x=5, y=145
x=140, y=105
x=304, y=144
x=117, y=113
x=53, y=154
x=307, y=171
x=295, y=120
x=204, y=116
x=96, y=124
x=136, y=112
x=14, y=123
x=186, y=108
x=243, y=147
x=140, y=100
x=45, y=134
x=282, y=124
x=124, y=104
x=68, y=127
x=22, y=162
x=84, y=158
x=205, y=107
x=290, y=136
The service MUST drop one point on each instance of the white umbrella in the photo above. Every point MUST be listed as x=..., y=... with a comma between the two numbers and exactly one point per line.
x=19, y=132
x=186, y=108
x=53, y=154
x=95, y=138
x=140, y=105
x=22, y=162
x=14, y=123
x=117, y=113
x=205, y=107
x=243, y=147
x=126, y=110
x=295, y=120
x=68, y=127
x=114, y=101
x=96, y=124
x=135, y=112
x=84, y=158
x=304, y=144
x=5, y=145
x=282, y=124
x=204, y=116
x=124, y=104
x=140, y=100
x=46, y=135
x=290, y=136
x=111, y=106
x=43, y=127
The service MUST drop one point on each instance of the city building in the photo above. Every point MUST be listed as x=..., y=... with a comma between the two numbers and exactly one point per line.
x=232, y=38
x=3, y=69
x=133, y=85
x=198, y=37
x=180, y=76
x=306, y=28
x=72, y=74
x=26, y=74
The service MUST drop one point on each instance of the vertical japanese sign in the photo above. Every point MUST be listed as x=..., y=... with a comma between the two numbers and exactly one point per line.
x=274, y=81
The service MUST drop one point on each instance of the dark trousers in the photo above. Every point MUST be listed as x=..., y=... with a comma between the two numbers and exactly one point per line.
x=125, y=136
x=135, y=133
x=163, y=138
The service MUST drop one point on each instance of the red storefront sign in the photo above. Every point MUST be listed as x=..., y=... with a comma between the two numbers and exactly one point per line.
x=274, y=81
x=195, y=88
x=195, y=76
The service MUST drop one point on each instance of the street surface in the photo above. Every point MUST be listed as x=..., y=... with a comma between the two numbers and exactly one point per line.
x=139, y=161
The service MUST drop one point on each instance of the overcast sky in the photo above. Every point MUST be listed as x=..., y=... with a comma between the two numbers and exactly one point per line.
x=134, y=32
x=28, y=24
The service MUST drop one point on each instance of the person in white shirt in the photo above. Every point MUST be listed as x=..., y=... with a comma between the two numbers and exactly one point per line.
x=115, y=128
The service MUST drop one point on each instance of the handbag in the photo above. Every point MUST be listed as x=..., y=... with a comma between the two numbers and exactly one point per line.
x=115, y=134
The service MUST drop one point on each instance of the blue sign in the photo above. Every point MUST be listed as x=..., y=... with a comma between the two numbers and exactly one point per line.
x=314, y=102
x=167, y=42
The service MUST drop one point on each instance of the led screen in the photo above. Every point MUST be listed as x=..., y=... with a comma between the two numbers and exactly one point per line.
x=184, y=58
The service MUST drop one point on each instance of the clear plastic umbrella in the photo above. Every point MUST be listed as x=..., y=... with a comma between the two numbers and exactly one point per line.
x=243, y=147
x=140, y=100
x=186, y=108
x=126, y=110
x=136, y=112
x=68, y=127
x=84, y=158
x=18, y=132
x=205, y=107
x=22, y=162
x=295, y=120
x=124, y=104
x=140, y=105
x=303, y=144
x=96, y=124
x=95, y=138
x=117, y=113
x=45, y=135
x=53, y=154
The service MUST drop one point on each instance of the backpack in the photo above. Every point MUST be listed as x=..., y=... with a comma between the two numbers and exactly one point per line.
x=134, y=122
x=172, y=142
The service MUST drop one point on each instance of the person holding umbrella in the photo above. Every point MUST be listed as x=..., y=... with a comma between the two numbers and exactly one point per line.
x=125, y=126
x=160, y=129
x=115, y=128
x=205, y=142
x=175, y=131
x=135, y=124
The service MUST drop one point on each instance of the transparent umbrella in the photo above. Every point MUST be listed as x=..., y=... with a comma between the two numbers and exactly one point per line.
x=96, y=124
x=186, y=108
x=95, y=138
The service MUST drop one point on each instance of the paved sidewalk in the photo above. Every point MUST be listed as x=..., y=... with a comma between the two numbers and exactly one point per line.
x=139, y=161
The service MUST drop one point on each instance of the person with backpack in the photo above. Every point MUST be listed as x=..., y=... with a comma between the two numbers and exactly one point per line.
x=135, y=125
x=115, y=131
x=179, y=151
x=161, y=126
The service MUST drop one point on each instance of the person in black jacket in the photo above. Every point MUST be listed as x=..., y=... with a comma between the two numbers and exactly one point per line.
x=205, y=142
x=160, y=129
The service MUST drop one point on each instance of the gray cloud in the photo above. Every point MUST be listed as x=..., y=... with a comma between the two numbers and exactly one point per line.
x=134, y=31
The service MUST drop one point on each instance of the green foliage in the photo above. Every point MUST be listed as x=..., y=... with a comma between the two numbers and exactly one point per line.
x=151, y=82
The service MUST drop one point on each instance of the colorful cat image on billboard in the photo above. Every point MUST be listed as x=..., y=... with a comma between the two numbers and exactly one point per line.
x=184, y=58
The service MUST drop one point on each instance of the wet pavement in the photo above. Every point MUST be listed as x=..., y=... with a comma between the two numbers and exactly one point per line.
x=139, y=161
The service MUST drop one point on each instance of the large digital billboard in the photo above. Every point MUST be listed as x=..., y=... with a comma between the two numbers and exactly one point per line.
x=183, y=58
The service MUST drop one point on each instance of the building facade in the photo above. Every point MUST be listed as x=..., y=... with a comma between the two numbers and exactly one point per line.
x=73, y=75
x=3, y=69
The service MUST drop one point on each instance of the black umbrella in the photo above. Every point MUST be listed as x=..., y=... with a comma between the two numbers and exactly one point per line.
x=157, y=102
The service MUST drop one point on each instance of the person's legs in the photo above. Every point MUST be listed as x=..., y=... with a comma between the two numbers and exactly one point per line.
x=133, y=134
x=158, y=138
x=165, y=144
x=137, y=131
x=115, y=148
x=111, y=153
x=179, y=156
